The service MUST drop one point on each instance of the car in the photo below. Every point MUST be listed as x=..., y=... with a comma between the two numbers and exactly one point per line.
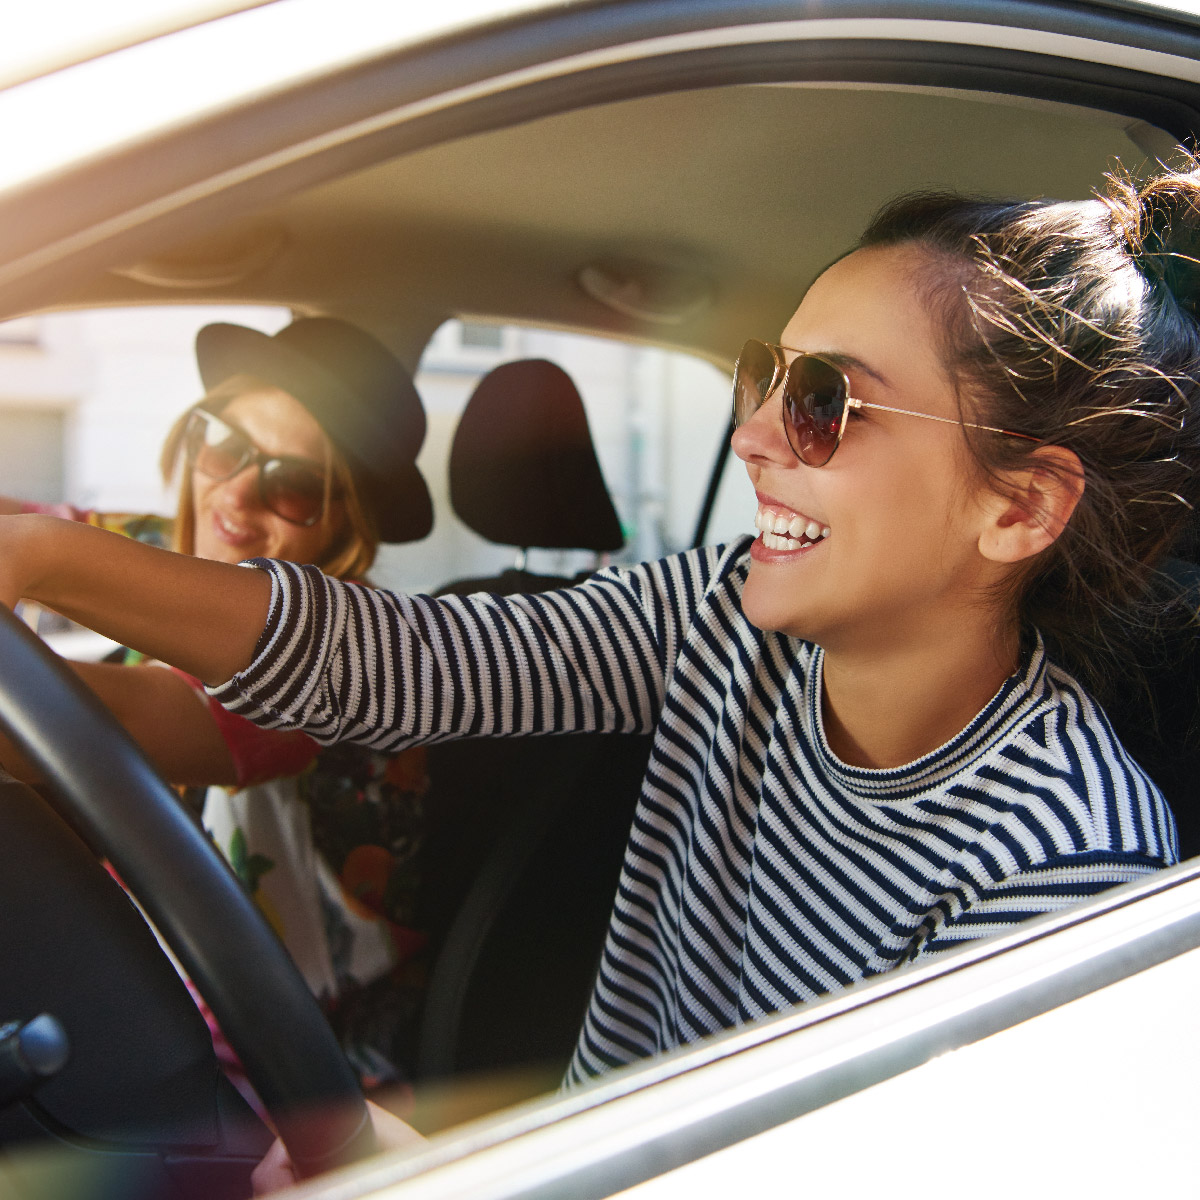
x=669, y=176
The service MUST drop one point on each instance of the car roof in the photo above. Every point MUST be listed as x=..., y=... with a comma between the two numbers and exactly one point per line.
x=656, y=209
x=55, y=34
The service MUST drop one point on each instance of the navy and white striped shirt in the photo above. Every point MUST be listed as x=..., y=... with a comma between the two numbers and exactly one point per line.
x=761, y=871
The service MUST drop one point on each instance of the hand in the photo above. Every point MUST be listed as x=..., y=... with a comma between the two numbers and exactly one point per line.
x=276, y=1170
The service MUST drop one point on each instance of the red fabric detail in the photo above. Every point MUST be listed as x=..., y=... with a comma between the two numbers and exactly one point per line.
x=408, y=942
x=258, y=754
x=226, y=1055
x=66, y=512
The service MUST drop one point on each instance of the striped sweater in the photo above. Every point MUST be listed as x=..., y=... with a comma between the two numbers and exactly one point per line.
x=761, y=871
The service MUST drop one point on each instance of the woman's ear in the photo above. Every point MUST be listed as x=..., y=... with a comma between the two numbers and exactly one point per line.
x=1035, y=506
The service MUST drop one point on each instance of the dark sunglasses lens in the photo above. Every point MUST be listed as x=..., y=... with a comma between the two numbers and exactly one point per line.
x=292, y=491
x=814, y=407
x=751, y=380
x=216, y=449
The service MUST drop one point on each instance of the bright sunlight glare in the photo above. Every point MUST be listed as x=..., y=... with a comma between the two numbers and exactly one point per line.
x=120, y=97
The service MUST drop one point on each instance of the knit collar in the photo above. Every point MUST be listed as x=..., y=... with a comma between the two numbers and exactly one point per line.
x=1013, y=704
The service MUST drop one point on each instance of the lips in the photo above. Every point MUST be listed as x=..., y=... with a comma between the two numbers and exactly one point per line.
x=232, y=531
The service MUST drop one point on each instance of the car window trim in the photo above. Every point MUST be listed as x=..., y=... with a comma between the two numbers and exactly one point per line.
x=652, y=1118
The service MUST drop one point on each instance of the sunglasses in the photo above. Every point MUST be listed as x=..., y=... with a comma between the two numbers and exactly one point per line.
x=816, y=399
x=292, y=488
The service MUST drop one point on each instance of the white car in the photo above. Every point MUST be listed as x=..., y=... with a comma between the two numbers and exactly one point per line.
x=669, y=173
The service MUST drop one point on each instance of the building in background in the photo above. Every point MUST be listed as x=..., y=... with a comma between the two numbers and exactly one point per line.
x=86, y=399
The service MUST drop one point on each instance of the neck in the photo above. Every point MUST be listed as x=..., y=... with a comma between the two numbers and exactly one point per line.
x=884, y=709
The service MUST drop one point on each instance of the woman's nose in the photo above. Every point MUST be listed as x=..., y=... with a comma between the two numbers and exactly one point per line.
x=761, y=439
x=242, y=488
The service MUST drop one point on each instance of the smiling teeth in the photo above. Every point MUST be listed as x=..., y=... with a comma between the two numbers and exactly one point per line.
x=781, y=531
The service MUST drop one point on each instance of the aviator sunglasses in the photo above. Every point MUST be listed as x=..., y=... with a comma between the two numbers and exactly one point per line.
x=292, y=488
x=816, y=399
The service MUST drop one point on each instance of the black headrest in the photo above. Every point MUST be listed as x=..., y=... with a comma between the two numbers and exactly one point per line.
x=523, y=471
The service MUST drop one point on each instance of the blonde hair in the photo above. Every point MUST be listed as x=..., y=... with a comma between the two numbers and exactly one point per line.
x=351, y=551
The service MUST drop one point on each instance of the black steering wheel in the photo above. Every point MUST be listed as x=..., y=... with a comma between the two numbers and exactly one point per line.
x=104, y=788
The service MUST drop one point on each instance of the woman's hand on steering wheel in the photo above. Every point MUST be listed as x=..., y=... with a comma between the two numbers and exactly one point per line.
x=276, y=1171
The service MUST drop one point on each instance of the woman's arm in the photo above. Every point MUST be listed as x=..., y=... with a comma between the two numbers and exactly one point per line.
x=204, y=617
x=345, y=662
x=163, y=713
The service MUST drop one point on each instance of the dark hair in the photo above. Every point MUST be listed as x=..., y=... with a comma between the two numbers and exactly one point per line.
x=1076, y=322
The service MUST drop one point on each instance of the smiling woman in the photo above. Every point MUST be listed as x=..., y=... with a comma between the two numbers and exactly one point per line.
x=901, y=568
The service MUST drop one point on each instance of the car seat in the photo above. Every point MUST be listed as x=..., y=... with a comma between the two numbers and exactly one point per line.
x=525, y=836
x=523, y=473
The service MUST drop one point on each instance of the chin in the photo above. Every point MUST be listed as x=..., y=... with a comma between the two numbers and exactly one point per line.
x=774, y=610
x=765, y=610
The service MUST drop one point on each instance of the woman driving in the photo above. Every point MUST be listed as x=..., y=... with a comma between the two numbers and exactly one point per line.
x=875, y=731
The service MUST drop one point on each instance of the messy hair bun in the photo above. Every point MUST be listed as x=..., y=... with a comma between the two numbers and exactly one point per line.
x=1159, y=227
x=1076, y=322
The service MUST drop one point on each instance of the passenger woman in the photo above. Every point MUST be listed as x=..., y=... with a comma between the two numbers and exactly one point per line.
x=303, y=448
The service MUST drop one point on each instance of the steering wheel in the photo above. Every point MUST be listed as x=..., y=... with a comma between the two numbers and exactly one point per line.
x=104, y=787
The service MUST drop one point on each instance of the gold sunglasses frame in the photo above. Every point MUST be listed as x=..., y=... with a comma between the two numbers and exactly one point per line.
x=779, y=375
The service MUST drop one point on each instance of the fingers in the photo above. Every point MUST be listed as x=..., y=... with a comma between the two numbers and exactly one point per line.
x=274, y=1172
x=391, y=1133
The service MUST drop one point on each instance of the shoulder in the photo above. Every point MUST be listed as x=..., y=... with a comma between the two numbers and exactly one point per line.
x=1075, y=730
x=1066, y=759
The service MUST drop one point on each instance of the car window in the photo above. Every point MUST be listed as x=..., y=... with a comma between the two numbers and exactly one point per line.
x=87, y=397
x=843, y=110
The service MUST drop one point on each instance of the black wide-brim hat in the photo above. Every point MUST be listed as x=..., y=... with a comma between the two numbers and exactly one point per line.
x=360, y=395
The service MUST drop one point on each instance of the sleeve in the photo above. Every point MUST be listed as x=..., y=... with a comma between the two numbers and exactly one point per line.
x=258, y=754
x=347, y=662
x=1052, y=887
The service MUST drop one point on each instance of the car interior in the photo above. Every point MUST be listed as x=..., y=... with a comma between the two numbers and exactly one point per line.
x=690, y=218
x=525, y=836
